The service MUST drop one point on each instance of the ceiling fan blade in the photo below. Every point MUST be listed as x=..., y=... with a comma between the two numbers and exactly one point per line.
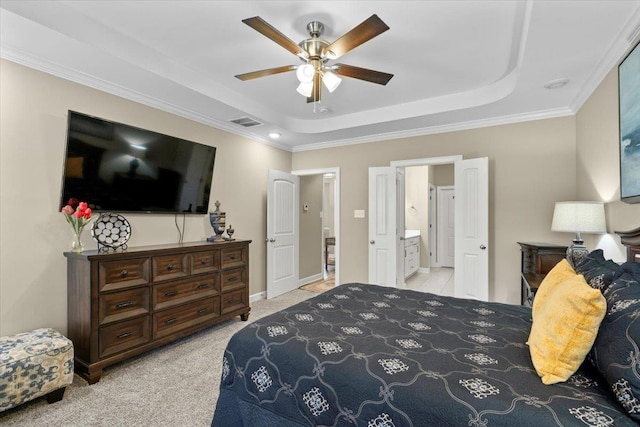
x=267, y=72
x=267, y=30
x=372, y=76
x=317, y=87
x=368, y=29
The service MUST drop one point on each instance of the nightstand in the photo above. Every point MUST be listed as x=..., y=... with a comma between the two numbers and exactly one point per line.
x=536, y=261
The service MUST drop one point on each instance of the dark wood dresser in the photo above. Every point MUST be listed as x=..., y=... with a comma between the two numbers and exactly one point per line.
x=536, y=261
x=125, y=303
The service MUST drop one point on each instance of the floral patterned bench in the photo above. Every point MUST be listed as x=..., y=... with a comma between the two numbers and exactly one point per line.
x=34, y=364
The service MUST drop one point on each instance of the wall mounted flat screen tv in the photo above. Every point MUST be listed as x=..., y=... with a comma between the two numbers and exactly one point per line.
x=120, y=168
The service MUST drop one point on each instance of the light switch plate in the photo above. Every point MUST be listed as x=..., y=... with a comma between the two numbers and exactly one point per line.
x=358, y=213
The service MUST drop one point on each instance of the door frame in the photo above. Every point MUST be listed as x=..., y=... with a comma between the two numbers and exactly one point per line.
x=429, y=161
x=336, y=210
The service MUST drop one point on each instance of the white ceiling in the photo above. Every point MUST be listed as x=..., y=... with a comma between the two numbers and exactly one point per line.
x=456, y=64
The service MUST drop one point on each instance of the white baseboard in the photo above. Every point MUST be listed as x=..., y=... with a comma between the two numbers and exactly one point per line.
x=258, y=296
x=310, y=279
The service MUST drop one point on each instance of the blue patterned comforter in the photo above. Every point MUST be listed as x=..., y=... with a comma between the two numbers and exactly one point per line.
x=366, y=355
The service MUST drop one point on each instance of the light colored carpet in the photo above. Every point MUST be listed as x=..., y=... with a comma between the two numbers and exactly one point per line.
x=175, y=385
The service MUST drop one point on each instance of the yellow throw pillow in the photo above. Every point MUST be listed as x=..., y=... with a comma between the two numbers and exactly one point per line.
x=558, y=274
x=565, y=328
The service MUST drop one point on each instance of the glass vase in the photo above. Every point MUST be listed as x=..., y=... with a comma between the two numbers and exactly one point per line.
x=76, y=244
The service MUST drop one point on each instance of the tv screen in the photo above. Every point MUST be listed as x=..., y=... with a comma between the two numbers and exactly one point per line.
x=117, y=167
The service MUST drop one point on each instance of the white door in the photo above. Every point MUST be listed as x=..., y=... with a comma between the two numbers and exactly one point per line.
x=283, y=224
x=471, y=229
x=433, y=250
x=400, y=190
x=382, y=226
x=446, y=226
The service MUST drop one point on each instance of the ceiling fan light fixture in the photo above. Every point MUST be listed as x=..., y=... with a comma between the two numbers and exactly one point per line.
x=330, y=80
x=305, y=73
x=305, y=89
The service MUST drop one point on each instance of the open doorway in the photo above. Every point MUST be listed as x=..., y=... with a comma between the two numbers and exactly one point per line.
x=319, y=228
x=429, y=228
x=386, y=224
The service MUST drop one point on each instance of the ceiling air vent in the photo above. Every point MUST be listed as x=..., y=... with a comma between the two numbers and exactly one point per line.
x=246, y=122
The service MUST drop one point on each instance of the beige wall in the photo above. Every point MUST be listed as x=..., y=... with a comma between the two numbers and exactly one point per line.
x=443, y=175
x=532, y=165
x=310, y=226
x=598, y=170
x=33, y=234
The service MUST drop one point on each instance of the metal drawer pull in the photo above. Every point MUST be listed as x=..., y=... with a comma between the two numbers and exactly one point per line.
x=232, y=279
x=232, y=257
x=169, y=267
x=202, y=286
x=169, y=321
x=233, y=300
x=203, y=261
x=125, y=335
x=124, y=304
x=170, y=293
x=124, y=273
x=203, y=310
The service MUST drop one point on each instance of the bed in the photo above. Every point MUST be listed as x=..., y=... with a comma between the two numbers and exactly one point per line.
x=366, y=355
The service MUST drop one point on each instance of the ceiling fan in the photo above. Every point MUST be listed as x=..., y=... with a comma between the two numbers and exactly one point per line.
x=316, y=53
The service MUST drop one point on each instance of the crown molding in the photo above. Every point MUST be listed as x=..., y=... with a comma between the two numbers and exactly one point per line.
x=623, y=42
x=432, y=130
x=84, y=79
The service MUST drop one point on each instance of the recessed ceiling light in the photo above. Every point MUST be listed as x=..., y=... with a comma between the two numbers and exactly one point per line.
x=274, y=135
x=556, y=84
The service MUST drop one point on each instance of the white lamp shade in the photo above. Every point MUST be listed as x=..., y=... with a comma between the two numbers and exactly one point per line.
x=305, y=89
x=331, y=81
x=579, y=217
x=305, y=73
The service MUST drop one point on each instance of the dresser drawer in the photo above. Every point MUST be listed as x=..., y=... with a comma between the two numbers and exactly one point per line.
x=234, y=300
x=233, y=257
x=169, y=321
x=233, y=279
x=174, y=293
x=123, y=305
x=123, y=336
x=205, y=262
x=121, y=274
x=170, y=266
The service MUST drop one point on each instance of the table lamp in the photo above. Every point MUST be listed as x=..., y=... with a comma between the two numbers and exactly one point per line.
x=578, y=217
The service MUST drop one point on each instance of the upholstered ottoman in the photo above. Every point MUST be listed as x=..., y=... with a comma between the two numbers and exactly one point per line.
x=34, y=364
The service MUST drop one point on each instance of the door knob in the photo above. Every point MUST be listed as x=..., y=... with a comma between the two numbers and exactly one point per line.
x=483, y=247
x=272, y=240
x=372, y=241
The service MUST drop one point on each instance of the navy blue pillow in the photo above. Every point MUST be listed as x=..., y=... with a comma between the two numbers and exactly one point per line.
x=597, y=271
x=616, y=351
x=631, y=268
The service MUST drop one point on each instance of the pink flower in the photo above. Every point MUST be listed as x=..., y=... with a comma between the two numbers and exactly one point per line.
x=82, y=206
x=87, y=213
x=67, y=210
x=78, y=214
